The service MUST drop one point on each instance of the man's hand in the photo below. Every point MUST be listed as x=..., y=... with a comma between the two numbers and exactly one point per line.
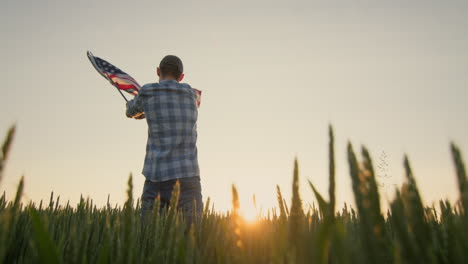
x=139, y=116
x=135, y=108
x=133, y=111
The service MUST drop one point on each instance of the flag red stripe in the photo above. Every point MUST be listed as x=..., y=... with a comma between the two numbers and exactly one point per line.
x=128, y=78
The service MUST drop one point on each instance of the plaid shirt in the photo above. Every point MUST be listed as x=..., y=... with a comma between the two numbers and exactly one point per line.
x=171, y=113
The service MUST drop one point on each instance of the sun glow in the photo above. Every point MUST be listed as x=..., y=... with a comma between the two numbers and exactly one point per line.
x=250, y=215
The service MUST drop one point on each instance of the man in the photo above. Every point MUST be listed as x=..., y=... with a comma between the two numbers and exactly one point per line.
x=170, y=110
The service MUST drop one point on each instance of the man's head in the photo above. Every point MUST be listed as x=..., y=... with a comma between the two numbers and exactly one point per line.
x=171, y=68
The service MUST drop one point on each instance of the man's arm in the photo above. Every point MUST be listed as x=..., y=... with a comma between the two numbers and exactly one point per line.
x=135, y=108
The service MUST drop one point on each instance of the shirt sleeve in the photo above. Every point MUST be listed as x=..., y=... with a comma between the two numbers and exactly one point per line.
x=135, y=106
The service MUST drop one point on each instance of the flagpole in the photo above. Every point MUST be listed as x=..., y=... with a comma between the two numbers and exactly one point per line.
x=120, y=91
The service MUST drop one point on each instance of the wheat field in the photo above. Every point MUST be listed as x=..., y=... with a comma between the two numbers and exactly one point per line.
x=409, y=232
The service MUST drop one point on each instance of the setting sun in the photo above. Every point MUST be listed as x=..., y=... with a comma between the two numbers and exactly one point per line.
x=249, y=214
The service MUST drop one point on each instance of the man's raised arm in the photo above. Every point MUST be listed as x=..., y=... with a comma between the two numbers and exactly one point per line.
x=135, y=108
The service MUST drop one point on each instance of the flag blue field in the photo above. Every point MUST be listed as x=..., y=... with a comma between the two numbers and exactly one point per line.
x=116, y=76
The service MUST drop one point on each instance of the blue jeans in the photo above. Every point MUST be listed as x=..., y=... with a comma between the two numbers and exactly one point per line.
x=190, y=191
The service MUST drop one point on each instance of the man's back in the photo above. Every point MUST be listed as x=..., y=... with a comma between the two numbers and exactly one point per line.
x=171, y=158
x=171, y=112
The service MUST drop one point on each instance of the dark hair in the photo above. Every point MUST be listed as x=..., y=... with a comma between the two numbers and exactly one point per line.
x=171, y=65
x=170, y=70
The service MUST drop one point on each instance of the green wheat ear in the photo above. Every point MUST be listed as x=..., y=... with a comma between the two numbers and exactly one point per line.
x=235, y=199
x=281, y=204
x=129, y=202
x=331, y=171
x=461, y=176
x=296, y=203
x=366, y=195
x=297, y=222
x=6, y=149
x=19, y=194
x=129, y=221
x=174, y=202
x=417, y=222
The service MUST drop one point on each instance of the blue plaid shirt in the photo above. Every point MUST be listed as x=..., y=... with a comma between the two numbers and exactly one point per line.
x=171, y=112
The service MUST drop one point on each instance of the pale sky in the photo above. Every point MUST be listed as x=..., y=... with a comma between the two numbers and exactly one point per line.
x=388, y=74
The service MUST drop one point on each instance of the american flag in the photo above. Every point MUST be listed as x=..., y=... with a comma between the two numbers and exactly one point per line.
x=119, y=78
x=116, y=76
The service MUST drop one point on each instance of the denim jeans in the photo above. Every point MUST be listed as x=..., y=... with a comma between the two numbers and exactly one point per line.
x=190, y=191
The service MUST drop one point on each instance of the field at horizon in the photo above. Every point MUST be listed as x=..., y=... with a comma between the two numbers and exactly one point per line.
x=409, y=232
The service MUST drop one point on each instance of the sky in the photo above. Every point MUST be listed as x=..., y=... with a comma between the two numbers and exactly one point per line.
x=390, y=75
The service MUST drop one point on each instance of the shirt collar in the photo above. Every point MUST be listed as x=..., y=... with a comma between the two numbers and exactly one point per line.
x=168, y=81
